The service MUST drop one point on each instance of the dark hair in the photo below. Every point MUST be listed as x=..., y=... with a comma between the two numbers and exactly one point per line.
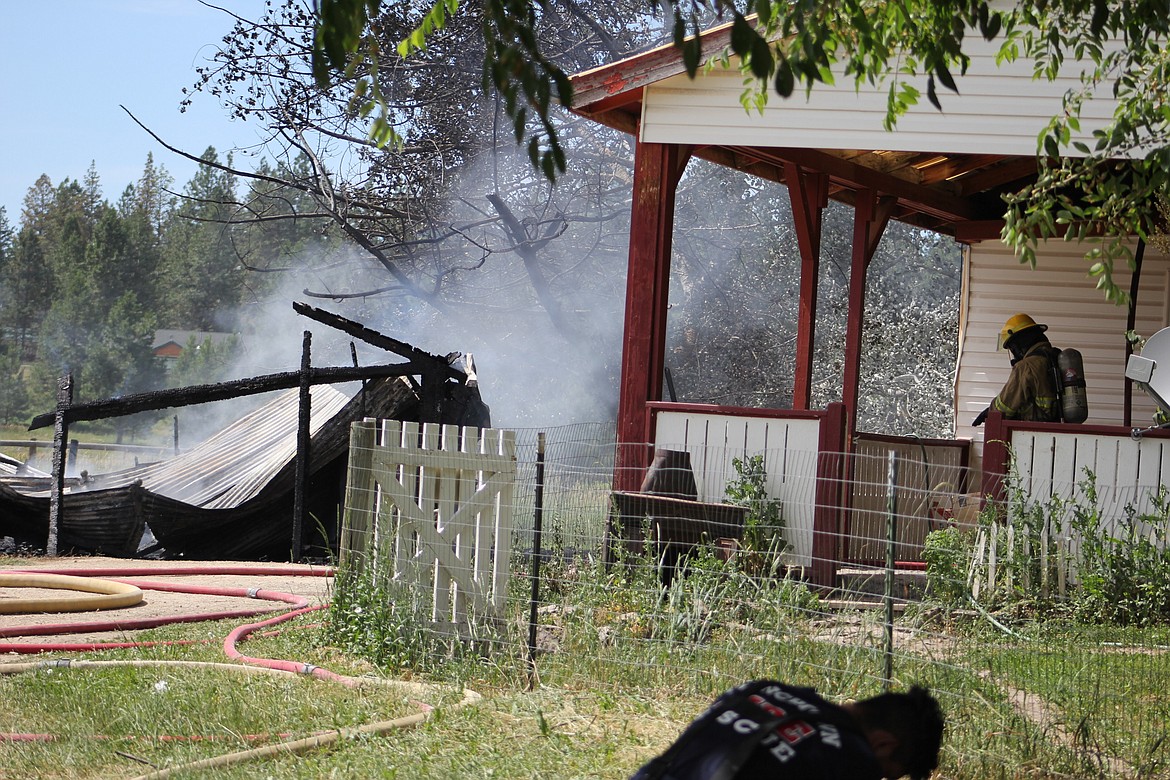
x=915, y=719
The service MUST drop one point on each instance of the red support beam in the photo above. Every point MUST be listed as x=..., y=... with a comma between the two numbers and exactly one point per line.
x=809, y=191
x=828, y=512
x=871, y=215
x=657, y=170
x=995, y=459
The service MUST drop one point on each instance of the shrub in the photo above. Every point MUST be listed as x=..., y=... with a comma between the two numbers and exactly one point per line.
x=947, y=554
x=763, y=526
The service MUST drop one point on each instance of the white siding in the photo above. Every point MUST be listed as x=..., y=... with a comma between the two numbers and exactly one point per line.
x=1000, y=110
x=1058, y=293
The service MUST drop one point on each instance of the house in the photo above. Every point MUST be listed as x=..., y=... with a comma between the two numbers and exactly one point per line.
x=169, y=344
x=944, y=171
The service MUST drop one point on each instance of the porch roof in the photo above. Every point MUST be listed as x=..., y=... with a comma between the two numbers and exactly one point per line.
x=947, y=170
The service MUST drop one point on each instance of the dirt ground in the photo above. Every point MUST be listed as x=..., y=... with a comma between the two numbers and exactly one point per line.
x=107, y=625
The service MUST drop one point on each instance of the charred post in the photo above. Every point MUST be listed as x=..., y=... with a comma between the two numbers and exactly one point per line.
x=304, y=414
x=60, y=437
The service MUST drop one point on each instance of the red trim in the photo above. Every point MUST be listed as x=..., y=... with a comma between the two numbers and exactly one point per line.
x=827, y=537
x=657, y=169
x=735, y=411
x=623, y=81
x=870, y=217
x=809, y=193
x=1122, y=431
x=976, y=230
x=995, y=456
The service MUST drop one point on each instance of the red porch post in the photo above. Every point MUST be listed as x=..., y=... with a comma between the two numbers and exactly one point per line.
x=871, y=215
x=809, y=192
x=657, y=169
x=995, y=459
x=827, y=509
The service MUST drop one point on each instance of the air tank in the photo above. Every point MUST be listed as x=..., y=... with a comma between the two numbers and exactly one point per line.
x=1074, y=401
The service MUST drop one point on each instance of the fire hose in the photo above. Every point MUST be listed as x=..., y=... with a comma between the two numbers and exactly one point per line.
x=113, y=594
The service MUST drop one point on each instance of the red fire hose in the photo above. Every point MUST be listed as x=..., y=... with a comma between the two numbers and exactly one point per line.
x=299, y=605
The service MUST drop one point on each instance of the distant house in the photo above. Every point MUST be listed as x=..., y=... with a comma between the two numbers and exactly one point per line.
x=169, y=344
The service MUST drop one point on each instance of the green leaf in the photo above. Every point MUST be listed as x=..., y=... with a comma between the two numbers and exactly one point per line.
x=1100, y=16
x=993, y=26
x=931, y=95
x=763, y=9
x=741, y=36
x=762, y=60
x=785, y=80
x=944, y=76
x=690, y=56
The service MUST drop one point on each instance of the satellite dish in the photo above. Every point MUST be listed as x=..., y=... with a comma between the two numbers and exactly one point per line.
x=1151, y=369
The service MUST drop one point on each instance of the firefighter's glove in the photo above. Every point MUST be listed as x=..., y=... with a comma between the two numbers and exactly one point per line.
x=982, y=416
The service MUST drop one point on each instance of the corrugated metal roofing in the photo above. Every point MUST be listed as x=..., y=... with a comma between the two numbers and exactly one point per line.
x=233, y=465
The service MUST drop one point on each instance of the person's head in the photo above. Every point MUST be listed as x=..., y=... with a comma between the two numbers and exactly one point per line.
x=1020, y=332
x=904, y=730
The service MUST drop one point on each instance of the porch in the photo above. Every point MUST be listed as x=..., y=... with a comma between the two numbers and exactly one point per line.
x=834, y=489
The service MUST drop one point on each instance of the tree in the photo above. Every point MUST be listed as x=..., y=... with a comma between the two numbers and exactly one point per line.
x=96, y=326
x=913, y=46
x=433, y=211
x=203, y=362
x=201, y=275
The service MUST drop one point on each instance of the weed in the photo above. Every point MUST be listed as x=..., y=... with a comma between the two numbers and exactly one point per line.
x=763, y=526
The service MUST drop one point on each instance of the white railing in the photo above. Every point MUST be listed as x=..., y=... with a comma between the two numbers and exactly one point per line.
x=788, y=448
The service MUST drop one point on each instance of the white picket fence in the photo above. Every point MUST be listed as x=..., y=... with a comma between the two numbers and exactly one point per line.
x=438, y=501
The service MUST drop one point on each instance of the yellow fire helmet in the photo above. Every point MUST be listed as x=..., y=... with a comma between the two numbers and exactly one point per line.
x=1017, y=323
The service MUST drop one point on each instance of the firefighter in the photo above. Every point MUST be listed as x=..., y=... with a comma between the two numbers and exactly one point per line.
x=765, y=729
x=1030, y=392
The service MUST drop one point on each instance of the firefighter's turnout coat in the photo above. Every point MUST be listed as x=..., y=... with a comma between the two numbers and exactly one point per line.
x=1030, y=392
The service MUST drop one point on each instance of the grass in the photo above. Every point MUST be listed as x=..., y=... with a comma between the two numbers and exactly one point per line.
x=94, y=460
x=623, y=668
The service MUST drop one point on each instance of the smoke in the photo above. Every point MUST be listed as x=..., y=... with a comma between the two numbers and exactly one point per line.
x=537, y=366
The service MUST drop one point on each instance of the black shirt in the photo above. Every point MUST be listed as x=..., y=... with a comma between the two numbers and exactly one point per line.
x=770, y=731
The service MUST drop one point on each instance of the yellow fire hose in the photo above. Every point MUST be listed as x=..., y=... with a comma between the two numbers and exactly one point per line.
x=87, y=594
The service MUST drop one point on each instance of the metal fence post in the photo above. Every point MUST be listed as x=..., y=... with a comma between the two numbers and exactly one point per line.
x=537, y=523
x=891, y=542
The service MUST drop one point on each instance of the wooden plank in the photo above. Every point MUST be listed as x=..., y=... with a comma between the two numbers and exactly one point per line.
x=1063, y=467
x=671, y=430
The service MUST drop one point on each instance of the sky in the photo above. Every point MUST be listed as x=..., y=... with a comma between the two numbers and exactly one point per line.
x=67, y=65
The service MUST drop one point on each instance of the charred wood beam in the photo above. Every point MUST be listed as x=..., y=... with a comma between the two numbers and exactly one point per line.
x=221, y=391
x=304, y=413
x=438, y=363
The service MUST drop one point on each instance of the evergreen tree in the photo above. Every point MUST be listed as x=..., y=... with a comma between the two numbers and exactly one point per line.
x=97, y=326
x=202, y=276
x=26, y=290
x=14, y=395
x=203, y=362
x=145, y=208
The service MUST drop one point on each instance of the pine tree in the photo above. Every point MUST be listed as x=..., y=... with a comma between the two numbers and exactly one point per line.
x=202, y=278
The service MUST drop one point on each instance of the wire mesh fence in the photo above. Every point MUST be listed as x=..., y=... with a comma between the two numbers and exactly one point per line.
x=1040, y=624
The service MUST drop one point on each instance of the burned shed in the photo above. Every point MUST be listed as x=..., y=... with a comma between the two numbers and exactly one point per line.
x=234, y=495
